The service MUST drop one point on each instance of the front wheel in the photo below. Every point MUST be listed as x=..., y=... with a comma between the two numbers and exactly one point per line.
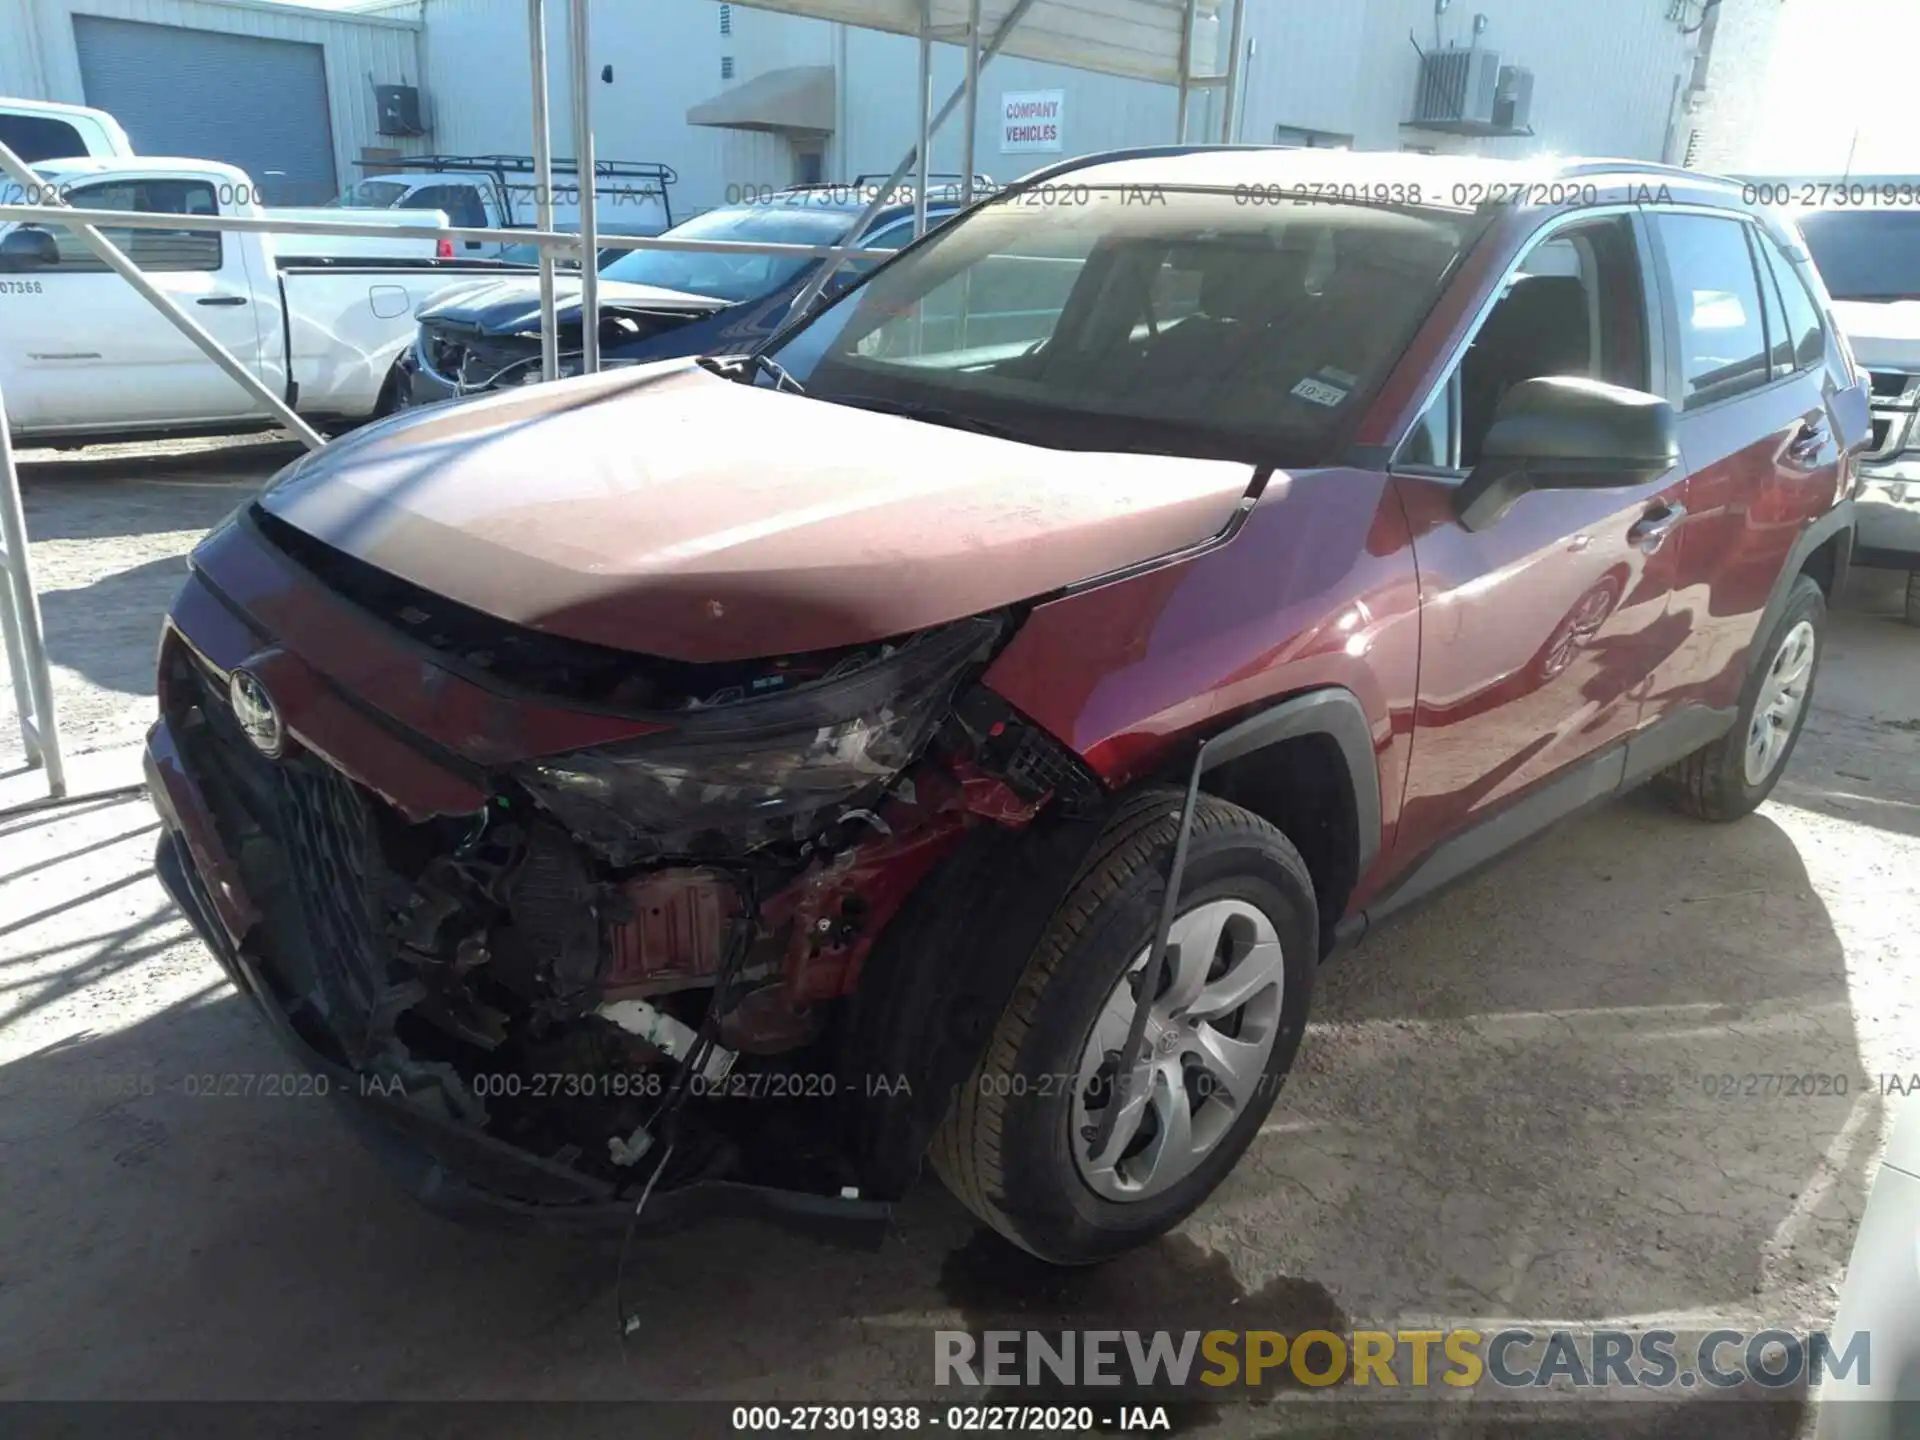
x=1730, y=777
x=1018, y=1144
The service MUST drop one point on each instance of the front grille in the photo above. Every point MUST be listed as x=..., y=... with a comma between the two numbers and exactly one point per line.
x=324, y=828
x=1896, y=397
x=333, y=856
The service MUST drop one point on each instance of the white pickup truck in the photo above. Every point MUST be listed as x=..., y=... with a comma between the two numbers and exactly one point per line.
x=83, y=358
x=40, y=130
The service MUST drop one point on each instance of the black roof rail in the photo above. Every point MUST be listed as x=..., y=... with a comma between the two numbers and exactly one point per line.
x=934, y=177
x=1131, y=152
x=501, y=166
x=1650, y=167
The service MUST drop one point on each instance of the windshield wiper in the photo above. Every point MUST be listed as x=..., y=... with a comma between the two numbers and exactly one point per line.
x=735, y=367
x=931, y=414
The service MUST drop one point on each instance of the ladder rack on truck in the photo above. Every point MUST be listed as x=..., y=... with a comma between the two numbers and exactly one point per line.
x=520, y=168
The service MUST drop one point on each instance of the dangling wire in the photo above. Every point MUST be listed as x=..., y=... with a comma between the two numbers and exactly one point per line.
x=664, y=1124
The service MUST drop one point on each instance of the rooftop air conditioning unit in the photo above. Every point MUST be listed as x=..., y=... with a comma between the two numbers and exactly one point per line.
x=1457, y=86
x=399, y=109
x=1513, y=98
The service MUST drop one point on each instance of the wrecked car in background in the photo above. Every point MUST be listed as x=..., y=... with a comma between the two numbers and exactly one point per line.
x=726, y=823
x=663, y=304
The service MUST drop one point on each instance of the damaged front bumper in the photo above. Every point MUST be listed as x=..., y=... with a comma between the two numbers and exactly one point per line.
x=451, y=1168
x=369, y=834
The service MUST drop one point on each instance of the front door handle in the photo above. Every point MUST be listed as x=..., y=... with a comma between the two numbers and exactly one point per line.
x=1651, y=530
x=221, y=300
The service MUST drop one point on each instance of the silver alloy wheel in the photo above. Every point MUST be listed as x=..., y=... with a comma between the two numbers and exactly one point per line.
x=1203, y=1057
x=1783, y=695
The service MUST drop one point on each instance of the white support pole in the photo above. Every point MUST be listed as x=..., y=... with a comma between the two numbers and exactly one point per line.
x=847, y=248
x=30, y=184
x=973, y=102
x=26, y=640
x=1186, y=72
x=1230, y=96
x=589, y=195
x=923, y=108
x=543, y=183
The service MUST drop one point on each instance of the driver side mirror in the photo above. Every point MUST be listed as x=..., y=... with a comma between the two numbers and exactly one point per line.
x=28, y=248
x=1563, y=432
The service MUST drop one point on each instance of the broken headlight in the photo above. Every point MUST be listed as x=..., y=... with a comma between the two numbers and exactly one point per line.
x=740, y=774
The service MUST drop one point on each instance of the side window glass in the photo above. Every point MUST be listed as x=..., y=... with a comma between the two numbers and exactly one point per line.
x=40, y=137
x=892, y=237
x=1803, y=315
x=1575, y=306
x=1722, y=341
x=154, y=251
x=1779, y=342
x=888, y=237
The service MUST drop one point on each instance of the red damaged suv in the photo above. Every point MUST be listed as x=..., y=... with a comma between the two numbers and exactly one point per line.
x=961, y=728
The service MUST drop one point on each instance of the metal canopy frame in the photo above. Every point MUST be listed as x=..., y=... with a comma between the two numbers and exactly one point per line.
x=1142, y=39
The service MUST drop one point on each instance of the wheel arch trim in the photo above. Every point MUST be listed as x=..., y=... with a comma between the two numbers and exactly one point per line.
x=1335, y=712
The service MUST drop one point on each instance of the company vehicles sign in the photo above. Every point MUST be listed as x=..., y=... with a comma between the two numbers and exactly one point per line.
x=1030, y=120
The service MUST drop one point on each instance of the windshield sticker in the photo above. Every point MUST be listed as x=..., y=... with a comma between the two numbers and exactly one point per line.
x=1320, y=392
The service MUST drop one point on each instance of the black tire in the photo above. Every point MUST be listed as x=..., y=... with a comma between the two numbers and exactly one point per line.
x=1711, y=783
x=1003, y=1147
x=390, y=401
x=1913, y=597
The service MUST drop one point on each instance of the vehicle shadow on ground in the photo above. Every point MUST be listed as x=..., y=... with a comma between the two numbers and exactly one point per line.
x=49, y=478
x=1500, y=1114
x=107, y=631
x=1615, y=1075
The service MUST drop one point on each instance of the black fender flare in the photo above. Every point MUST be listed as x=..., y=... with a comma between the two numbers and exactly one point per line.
x=1837, y=521
x=1335, y=712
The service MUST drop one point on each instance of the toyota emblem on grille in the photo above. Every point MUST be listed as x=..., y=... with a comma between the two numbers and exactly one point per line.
x=253, y=708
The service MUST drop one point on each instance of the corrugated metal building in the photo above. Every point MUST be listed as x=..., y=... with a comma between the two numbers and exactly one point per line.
x=284, y=92
x=742, y=100
x=1601, y=79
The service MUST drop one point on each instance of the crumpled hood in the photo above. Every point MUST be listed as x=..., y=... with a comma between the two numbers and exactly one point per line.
x=1885, y=335
x=508, y=307
x=664, y=510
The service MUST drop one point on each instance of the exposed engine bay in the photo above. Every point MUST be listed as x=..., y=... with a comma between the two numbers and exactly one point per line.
x=470, y=357
x=626, y=945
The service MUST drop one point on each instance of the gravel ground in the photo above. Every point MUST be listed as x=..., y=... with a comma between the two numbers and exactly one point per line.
x=111, y=527
x=1501, y=1112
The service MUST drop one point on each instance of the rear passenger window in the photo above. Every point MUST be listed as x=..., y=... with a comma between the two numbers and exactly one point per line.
x=1723, y=339
x=461, y=202
x=40, y=137
x=152, y=250
x=1803, y=316
x=1779, y=341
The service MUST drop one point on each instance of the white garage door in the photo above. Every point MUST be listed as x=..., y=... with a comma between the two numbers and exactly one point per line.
x=257, y=103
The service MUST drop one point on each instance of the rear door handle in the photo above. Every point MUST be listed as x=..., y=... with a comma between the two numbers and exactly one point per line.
x=221, y=300
x=1651, y=530
x=1808, y=441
